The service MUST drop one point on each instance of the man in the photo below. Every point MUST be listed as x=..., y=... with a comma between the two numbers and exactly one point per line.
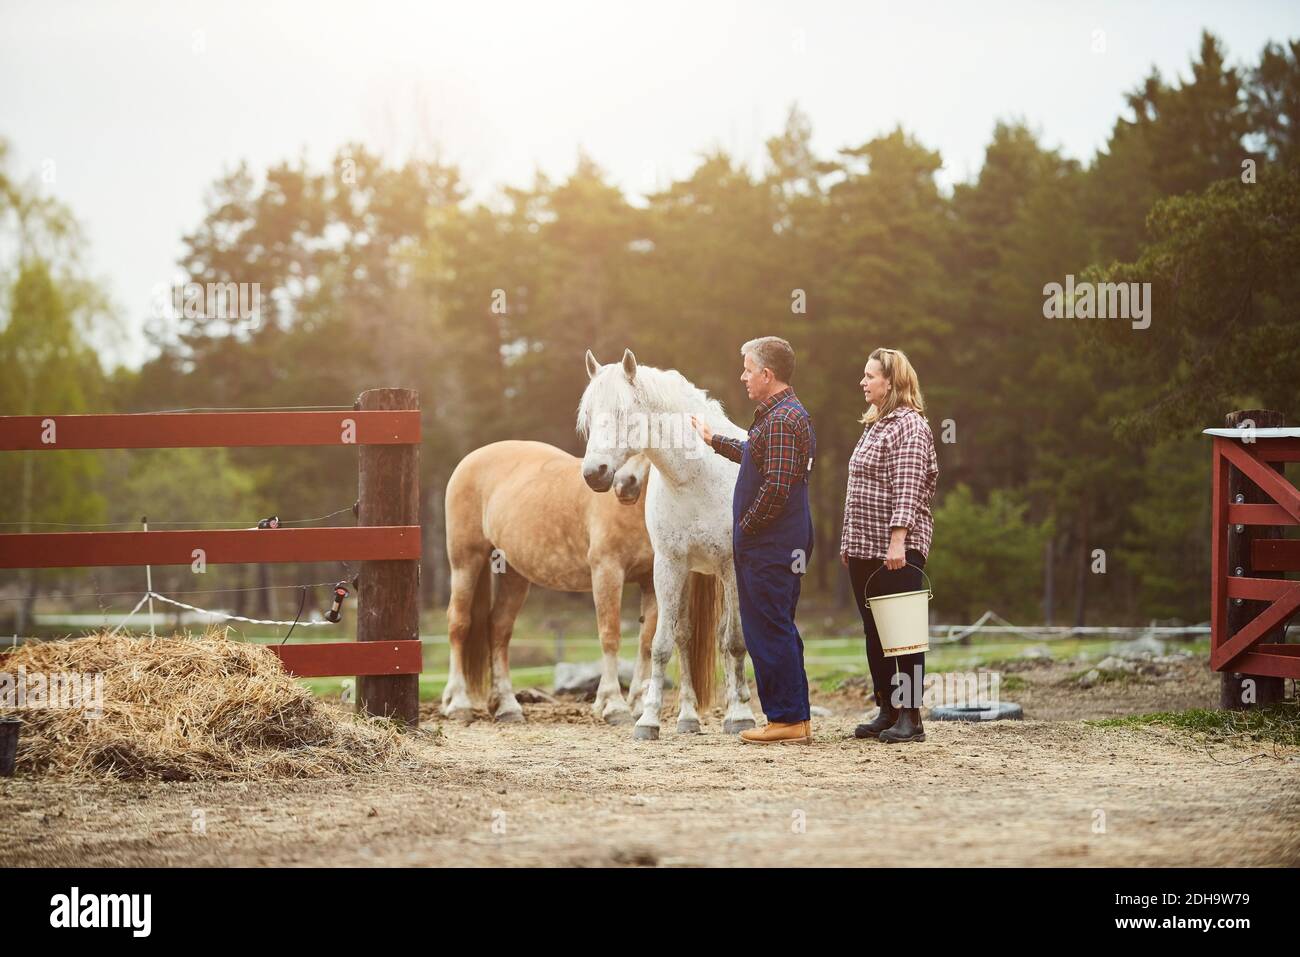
x=772, y=535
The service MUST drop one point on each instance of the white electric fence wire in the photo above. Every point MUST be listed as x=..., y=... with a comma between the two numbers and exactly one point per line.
x=189, y=525
x=130, y=614
x=225, y=617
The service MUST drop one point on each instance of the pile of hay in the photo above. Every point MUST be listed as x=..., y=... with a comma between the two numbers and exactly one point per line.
x=189, y=708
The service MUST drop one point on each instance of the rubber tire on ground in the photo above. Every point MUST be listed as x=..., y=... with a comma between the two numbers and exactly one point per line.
x=1004, y=711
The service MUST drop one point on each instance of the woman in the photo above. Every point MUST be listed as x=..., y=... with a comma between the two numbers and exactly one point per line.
x=887, y=529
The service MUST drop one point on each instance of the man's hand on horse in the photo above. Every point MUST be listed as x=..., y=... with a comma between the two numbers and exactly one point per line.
x=705, y=432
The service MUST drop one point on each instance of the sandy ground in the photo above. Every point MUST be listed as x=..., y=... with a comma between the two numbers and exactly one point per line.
x=564, y=789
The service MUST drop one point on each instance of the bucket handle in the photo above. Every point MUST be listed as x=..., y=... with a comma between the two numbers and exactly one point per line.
x=928, y=587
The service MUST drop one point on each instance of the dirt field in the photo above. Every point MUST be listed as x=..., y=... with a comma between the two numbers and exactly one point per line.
x=564, y=789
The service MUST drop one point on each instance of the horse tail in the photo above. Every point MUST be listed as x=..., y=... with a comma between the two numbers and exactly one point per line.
x=477, y=651
x=706, y=609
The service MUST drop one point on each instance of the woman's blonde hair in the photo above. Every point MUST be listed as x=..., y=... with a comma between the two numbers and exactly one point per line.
x=905, y=389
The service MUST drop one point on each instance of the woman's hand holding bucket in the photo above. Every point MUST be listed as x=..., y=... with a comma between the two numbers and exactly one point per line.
x=895, y=555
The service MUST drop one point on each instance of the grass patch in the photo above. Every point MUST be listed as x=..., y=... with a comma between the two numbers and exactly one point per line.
x=1105, y=676
x=1276, y=723
x=1012, y=683
x=835, y=680
x=1006, y=665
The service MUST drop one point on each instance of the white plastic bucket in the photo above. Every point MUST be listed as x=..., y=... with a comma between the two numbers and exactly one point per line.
x=903, y=619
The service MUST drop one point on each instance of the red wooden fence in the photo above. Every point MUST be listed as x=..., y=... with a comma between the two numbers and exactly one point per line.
x=219, y=546
x=395, y=549
x=193, y=430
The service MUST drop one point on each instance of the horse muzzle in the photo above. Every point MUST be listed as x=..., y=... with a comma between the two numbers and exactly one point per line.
x=628, y=491
x=598, y=477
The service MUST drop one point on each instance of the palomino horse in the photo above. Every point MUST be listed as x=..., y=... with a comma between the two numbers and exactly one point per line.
x=629, y=409
x=518, y=513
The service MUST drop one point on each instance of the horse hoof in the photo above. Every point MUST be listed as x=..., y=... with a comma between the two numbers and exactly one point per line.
x=509, y=717
x=619, y=717
x=463, y=715
x=688, y=726
x=737, y=726
x=645, y=732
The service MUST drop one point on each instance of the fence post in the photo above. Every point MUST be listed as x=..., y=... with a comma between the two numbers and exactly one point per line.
x=388, y=603
x=1241, y=612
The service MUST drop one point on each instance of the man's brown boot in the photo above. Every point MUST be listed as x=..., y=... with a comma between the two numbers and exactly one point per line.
x=777, y=732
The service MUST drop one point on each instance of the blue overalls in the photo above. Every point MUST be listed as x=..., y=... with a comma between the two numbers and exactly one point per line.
x=768, y=584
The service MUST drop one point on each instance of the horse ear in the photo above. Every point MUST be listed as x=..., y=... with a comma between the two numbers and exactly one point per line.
x=592, y=365
x=629, y=364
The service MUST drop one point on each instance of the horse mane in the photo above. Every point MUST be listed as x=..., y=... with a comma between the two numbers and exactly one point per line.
x=653, y=390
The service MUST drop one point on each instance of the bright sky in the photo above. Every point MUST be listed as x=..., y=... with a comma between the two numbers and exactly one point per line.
x=138, y=107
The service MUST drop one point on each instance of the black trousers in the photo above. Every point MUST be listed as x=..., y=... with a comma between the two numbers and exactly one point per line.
x=883, y=670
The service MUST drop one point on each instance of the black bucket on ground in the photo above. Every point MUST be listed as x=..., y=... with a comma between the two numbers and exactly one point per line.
x=9, y=745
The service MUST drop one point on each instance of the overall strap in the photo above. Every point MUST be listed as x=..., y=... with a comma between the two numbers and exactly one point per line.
x=812, y=435
x=812, y=447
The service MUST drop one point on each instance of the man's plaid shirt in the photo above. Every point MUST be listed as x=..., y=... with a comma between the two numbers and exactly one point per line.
x=779, y=444
x=892, y=475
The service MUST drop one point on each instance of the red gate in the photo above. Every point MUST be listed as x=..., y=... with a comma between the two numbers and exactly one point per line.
x=1253, y=452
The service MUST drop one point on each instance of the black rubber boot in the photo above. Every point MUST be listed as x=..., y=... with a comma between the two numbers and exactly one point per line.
x=907, y=728
x=881, y=722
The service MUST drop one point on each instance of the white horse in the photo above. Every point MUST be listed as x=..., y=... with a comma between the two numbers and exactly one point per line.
x=629, y=409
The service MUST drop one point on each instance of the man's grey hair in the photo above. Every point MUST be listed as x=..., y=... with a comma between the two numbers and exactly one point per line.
x=772, y=352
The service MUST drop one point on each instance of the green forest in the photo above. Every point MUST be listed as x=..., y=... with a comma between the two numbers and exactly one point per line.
x=1074, y=481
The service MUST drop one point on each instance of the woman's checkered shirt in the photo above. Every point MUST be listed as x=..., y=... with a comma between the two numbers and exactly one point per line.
x=892, y=475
